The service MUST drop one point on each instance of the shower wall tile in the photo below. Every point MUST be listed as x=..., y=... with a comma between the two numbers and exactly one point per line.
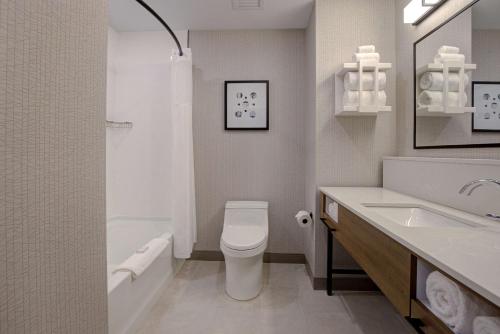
x=250, y=165
x=52, y=166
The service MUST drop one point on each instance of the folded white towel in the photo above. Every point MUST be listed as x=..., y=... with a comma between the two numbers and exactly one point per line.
x=364, y=98
x=138, y=262
x=351, y=81
x=454, y=305
x=430, y=98
x=486, y=325
x=442, y=58
x=333, y=211
x=435, y=81
x=372, y=56
x=448, y=49
x=366, y=49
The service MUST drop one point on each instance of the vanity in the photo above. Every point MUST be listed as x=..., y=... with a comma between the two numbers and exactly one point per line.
x=399, y=239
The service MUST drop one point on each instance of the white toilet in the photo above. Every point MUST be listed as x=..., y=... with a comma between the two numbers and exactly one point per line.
x=243, y=242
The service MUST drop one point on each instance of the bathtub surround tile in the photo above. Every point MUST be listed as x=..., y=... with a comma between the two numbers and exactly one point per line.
x=196, y=303
x=52, y=166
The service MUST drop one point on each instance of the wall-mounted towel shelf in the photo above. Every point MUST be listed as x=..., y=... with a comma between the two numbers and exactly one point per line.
x=447, y=69
x=341, y=109
x=440, y=67
x=119, y=125
x=362, y=110
x=354, y=67
x=439, y=111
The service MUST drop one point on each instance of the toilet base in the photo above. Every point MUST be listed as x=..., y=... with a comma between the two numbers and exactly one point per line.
x=244, y=276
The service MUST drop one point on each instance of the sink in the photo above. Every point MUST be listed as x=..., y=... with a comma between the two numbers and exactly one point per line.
x=417, y=216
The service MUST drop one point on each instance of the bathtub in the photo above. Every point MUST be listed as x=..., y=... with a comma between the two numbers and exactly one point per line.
x=130, y=301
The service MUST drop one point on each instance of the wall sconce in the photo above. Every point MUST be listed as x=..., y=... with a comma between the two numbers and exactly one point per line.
x=417, y=10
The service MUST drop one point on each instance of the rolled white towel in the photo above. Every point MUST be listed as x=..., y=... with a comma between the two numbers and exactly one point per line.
x=435, y=81
x=486, y=325
x=366, y=49
x=364, y=98
x=448, y=49
x=351, y=81
x=138, y=262
x=371, y=56
x=333, y=211
x=431, y=98
x=442, y=58
x=454, y=305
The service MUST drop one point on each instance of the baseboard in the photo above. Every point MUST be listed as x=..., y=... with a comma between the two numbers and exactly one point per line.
x=207, y=256
x=268, y=257
x=346, y=283
x=284, y=258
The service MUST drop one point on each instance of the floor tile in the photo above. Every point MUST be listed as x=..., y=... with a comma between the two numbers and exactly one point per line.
x=195, y=302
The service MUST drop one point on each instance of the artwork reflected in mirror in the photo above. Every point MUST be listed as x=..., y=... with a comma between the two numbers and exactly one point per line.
x=457, y=80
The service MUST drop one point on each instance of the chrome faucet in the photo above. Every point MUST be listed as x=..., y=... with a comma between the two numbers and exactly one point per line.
x=473, y=185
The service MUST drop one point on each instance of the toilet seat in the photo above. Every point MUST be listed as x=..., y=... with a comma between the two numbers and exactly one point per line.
x=243, y=237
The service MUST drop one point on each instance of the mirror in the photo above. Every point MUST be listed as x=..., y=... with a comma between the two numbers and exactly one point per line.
x=457, y=81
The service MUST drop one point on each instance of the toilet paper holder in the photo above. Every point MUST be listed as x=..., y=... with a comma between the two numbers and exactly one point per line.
x=304, y=218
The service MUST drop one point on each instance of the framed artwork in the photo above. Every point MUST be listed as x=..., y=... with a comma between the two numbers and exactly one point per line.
x=246, y=105
x=486, y=100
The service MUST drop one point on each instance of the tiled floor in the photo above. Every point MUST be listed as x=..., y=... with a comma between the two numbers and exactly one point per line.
x=195, y=302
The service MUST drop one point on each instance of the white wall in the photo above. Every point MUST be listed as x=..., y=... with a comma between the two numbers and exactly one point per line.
x=486, y=53
x=349, y=150
x=310, y=137
x=138, y=159
x=249, y=165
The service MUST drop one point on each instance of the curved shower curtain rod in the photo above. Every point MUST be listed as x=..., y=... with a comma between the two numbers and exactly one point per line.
x=149, y=9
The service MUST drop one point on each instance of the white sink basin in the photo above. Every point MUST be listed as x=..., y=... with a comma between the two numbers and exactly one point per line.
x=415, y=216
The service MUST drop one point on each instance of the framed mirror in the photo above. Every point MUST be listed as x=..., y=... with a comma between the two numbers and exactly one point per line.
x=457, y=80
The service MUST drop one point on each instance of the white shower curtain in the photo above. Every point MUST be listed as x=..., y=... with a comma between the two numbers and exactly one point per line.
x=183, y=187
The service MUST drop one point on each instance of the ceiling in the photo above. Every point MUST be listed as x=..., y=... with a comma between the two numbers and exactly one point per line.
x=485, y=14
x=127, y=15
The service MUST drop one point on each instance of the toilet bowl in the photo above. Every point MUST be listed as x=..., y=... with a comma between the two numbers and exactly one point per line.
x=243, y=242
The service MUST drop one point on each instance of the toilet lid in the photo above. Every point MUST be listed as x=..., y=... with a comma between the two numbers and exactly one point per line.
x=243, y=237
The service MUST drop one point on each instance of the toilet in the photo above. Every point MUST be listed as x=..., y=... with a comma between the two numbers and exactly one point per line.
x=243, y=242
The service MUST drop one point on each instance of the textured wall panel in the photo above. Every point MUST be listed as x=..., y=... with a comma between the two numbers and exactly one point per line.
x=406, y=35
x=52, y=165
x=310, y=135
x=255, y=165
x=350, y=150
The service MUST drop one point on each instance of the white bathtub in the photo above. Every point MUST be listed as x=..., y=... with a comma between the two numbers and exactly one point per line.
x=129, y=301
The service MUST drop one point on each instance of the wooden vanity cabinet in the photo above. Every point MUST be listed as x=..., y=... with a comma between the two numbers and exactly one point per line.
x=426, y=321
x=387, y=263
x=393, y=267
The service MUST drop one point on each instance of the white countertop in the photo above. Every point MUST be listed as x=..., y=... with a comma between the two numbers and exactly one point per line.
x=470, y=255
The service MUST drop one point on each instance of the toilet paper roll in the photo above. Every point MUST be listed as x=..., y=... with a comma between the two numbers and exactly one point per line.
x=303, y=218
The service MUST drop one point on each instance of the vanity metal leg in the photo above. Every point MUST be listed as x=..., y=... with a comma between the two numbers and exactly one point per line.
x=329, y=260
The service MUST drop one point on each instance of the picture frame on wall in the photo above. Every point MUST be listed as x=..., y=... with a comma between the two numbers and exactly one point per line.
x=486, y=100
x=246, y=105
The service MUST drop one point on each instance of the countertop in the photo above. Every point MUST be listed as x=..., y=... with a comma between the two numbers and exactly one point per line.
x=470, y=255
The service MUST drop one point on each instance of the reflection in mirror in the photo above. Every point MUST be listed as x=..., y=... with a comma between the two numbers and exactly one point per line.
x=457, y=80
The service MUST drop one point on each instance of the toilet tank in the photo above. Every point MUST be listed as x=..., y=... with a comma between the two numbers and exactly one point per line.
x=246, y=213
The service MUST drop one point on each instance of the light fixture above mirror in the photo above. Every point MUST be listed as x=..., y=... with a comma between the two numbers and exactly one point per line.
x=417, y=10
